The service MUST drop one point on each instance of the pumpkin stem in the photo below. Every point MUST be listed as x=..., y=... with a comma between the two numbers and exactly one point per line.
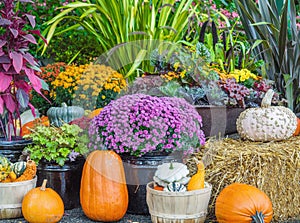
x=258, y=217
x=266, y=101
x=171, y=166
x=43, y=187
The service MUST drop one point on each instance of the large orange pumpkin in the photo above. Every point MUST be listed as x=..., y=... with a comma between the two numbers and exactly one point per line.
x=25, y=130
x=243, y=203
x=103, y=191
x=297, y=131
x=42, y=205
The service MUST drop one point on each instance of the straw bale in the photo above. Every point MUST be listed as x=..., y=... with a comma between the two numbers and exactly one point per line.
x=273, y=167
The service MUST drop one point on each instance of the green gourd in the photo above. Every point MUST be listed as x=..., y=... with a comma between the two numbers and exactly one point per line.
x=175, y=187
x=64, y=114
x=19, y=167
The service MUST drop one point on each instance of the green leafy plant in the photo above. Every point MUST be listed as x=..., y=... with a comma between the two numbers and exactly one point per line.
x=115, y=22
x=204, y=84
x=57, y=145
x=274, y=23
x=60, y=48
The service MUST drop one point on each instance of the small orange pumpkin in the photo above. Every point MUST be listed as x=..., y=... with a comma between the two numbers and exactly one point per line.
x=42, y=205
x=297, y=131
x=243, y=203
x=25, y=130
x=103, y=190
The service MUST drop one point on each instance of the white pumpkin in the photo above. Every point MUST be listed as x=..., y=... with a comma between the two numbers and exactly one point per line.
x=171, y=172
x=267, y=123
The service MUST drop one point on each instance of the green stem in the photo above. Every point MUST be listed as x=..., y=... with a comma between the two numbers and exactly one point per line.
x=171, y=166
x=258, y=217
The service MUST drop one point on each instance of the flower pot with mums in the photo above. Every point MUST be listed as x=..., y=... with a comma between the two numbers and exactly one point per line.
x=146, y=131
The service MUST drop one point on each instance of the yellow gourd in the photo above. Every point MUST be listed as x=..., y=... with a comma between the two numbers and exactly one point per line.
x=197, y=180
x=12, y=176
x=29, y=172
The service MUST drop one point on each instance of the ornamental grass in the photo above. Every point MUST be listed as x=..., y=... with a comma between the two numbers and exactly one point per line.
x=273, y=167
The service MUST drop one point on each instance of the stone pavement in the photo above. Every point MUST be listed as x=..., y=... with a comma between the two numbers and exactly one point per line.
x=77, y=216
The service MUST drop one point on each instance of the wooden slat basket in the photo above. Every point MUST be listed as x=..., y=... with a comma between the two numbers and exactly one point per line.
x=178, y=207
x=11, y=197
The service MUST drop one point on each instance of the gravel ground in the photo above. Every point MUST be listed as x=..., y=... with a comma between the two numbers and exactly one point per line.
x=77, y=215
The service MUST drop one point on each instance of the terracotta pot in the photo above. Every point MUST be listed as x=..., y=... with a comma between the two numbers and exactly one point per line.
x=219, y=120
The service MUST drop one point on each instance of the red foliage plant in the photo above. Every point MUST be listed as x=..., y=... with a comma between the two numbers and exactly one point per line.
x=17, y=66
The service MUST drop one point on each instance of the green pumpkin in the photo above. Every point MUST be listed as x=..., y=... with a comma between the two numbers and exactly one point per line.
x=64, y=114
x=19, y=168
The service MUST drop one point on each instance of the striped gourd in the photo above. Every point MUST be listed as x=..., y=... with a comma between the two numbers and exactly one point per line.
x=19, y=168
x=29, y=172
x=175, y=187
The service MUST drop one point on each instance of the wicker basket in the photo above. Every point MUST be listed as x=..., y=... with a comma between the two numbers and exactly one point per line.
x=178, y=207
x=11, y=197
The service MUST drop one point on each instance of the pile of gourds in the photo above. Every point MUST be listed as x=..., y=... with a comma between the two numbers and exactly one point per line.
x=16, y=172
x=173, y=177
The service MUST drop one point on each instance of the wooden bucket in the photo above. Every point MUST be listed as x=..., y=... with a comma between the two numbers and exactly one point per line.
x=11, y=197
x=178, y=207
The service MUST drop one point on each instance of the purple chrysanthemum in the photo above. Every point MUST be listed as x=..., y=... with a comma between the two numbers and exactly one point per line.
x=138, y=124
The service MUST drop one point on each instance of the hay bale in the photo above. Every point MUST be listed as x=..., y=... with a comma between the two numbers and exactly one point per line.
x=273, y=167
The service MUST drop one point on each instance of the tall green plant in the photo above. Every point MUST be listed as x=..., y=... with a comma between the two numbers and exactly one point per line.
x=117, y=22
x=274, y=22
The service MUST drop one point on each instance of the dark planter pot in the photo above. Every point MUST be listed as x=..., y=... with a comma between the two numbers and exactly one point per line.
x=139, y=171
x=219, y=120
x=13, y=149
x=65, y=180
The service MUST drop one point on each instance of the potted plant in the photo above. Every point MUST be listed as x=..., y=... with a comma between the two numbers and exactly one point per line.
x=17, y=73
x=218, y=95
x=146, y=131
x=59, y=153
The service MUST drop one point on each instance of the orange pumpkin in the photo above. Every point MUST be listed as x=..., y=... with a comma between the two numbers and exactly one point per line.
x=297, y=131
x=25, y=130
x=95, y=113
x=103, y=191
x=42, y=205
x=243, y=203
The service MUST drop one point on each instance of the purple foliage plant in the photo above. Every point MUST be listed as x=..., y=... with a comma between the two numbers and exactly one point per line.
x=17, y=66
